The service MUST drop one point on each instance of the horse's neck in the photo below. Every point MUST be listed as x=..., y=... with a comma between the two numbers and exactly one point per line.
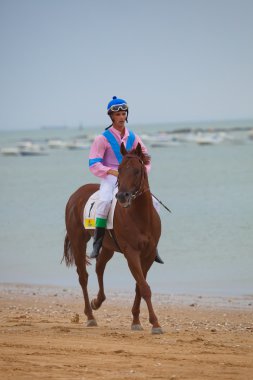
x=142, y=206
x=144, y=202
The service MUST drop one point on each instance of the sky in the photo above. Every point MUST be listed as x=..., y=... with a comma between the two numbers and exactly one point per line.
x=61, y=61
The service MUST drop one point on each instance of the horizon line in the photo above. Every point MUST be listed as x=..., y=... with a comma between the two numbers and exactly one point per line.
x=82, y=126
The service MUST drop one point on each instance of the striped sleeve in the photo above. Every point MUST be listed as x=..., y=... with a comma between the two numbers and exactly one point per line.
x=96, y=155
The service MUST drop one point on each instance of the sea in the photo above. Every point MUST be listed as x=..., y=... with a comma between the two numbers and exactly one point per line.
x=206, y=241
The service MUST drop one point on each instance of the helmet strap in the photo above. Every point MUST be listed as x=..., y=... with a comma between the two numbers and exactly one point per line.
x=108, y=127
x=110, y=124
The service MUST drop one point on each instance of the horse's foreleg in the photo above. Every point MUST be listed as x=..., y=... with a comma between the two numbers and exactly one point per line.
x=135, y=266
x=83, y=280
x=103, y=258
x=156, y=329
x=136, y=324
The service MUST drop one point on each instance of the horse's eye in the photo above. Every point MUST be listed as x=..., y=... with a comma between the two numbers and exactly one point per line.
x=136, y=171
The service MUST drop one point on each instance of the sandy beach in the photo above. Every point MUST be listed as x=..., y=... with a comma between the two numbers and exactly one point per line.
x=44, y=336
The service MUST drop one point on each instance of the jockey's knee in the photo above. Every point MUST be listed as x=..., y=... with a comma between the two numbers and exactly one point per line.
x=103, y=209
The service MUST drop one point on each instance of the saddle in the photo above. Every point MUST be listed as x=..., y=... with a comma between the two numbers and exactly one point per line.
x=89, y=213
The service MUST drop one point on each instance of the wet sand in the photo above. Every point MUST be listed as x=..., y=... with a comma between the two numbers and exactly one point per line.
x=42, y=338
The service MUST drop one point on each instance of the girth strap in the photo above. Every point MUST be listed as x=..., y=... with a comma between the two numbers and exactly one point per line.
x=112, y=235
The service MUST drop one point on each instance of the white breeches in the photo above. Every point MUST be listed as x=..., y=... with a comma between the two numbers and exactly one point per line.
x=106, y=190
x=107, y=187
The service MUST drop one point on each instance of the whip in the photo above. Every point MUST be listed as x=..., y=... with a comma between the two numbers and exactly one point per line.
x=161, y=202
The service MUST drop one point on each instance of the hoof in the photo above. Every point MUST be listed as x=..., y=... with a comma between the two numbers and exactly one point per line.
x=157, y=330
x=91, y=323
x=136, y=328
x=93, y=305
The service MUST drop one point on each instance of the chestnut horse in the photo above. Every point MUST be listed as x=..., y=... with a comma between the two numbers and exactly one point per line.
x=136, y=233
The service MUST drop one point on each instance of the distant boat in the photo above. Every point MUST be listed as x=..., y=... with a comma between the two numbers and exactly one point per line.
x=208, y=139
x=56, y=143
x=161, y=139
x=250, y=135
x=32, y=151
x=77, y=145
x=10, y=151
x=164, y=144
x=28, y=148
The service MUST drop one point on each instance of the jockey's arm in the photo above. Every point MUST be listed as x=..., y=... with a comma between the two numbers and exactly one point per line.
x=96, y=156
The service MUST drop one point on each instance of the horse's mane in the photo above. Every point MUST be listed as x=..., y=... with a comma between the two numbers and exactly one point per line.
x=145, y=158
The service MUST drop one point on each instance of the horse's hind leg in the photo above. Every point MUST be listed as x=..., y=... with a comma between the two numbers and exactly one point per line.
x=103, y=258
x=79, y=248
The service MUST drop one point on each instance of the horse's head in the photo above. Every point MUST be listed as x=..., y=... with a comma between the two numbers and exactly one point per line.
x=132, y=176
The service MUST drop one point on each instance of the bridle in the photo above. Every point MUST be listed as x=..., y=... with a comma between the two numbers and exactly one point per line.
x=140, y=190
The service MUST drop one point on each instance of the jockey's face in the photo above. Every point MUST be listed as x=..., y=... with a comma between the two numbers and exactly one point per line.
x=119, y=119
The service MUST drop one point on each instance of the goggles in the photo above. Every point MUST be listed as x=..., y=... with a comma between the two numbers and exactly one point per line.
x=118, y=107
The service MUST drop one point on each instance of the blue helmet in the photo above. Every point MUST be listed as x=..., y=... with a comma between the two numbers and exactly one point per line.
x=117, y=104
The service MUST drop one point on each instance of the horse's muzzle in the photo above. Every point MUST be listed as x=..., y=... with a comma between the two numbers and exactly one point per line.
x=124, y=198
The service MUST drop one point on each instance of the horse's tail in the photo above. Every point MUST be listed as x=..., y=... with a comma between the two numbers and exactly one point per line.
x=68, y=255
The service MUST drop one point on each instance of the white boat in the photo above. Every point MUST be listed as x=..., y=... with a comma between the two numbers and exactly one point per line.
x=25, y=144
x=208, y=139
x=189, y=137
x=28, y=148
x=12, y=151
x=56, y=143
x=77, y=145
x=158, y=137
x=164, y=144
x=250, y=135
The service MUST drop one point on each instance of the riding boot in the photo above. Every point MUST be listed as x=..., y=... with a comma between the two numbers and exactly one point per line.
x=98, y=240
x=158, y=258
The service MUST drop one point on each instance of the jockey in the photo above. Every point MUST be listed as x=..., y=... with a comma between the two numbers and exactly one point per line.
x=104, y=160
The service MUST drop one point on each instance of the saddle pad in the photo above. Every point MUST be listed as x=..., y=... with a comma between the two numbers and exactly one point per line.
x=89, y=213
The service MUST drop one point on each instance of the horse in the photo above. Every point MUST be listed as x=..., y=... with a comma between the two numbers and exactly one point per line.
x=136, y=232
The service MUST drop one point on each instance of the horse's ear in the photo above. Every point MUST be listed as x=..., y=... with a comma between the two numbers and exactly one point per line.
x=123, y=150
x=138, y=150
